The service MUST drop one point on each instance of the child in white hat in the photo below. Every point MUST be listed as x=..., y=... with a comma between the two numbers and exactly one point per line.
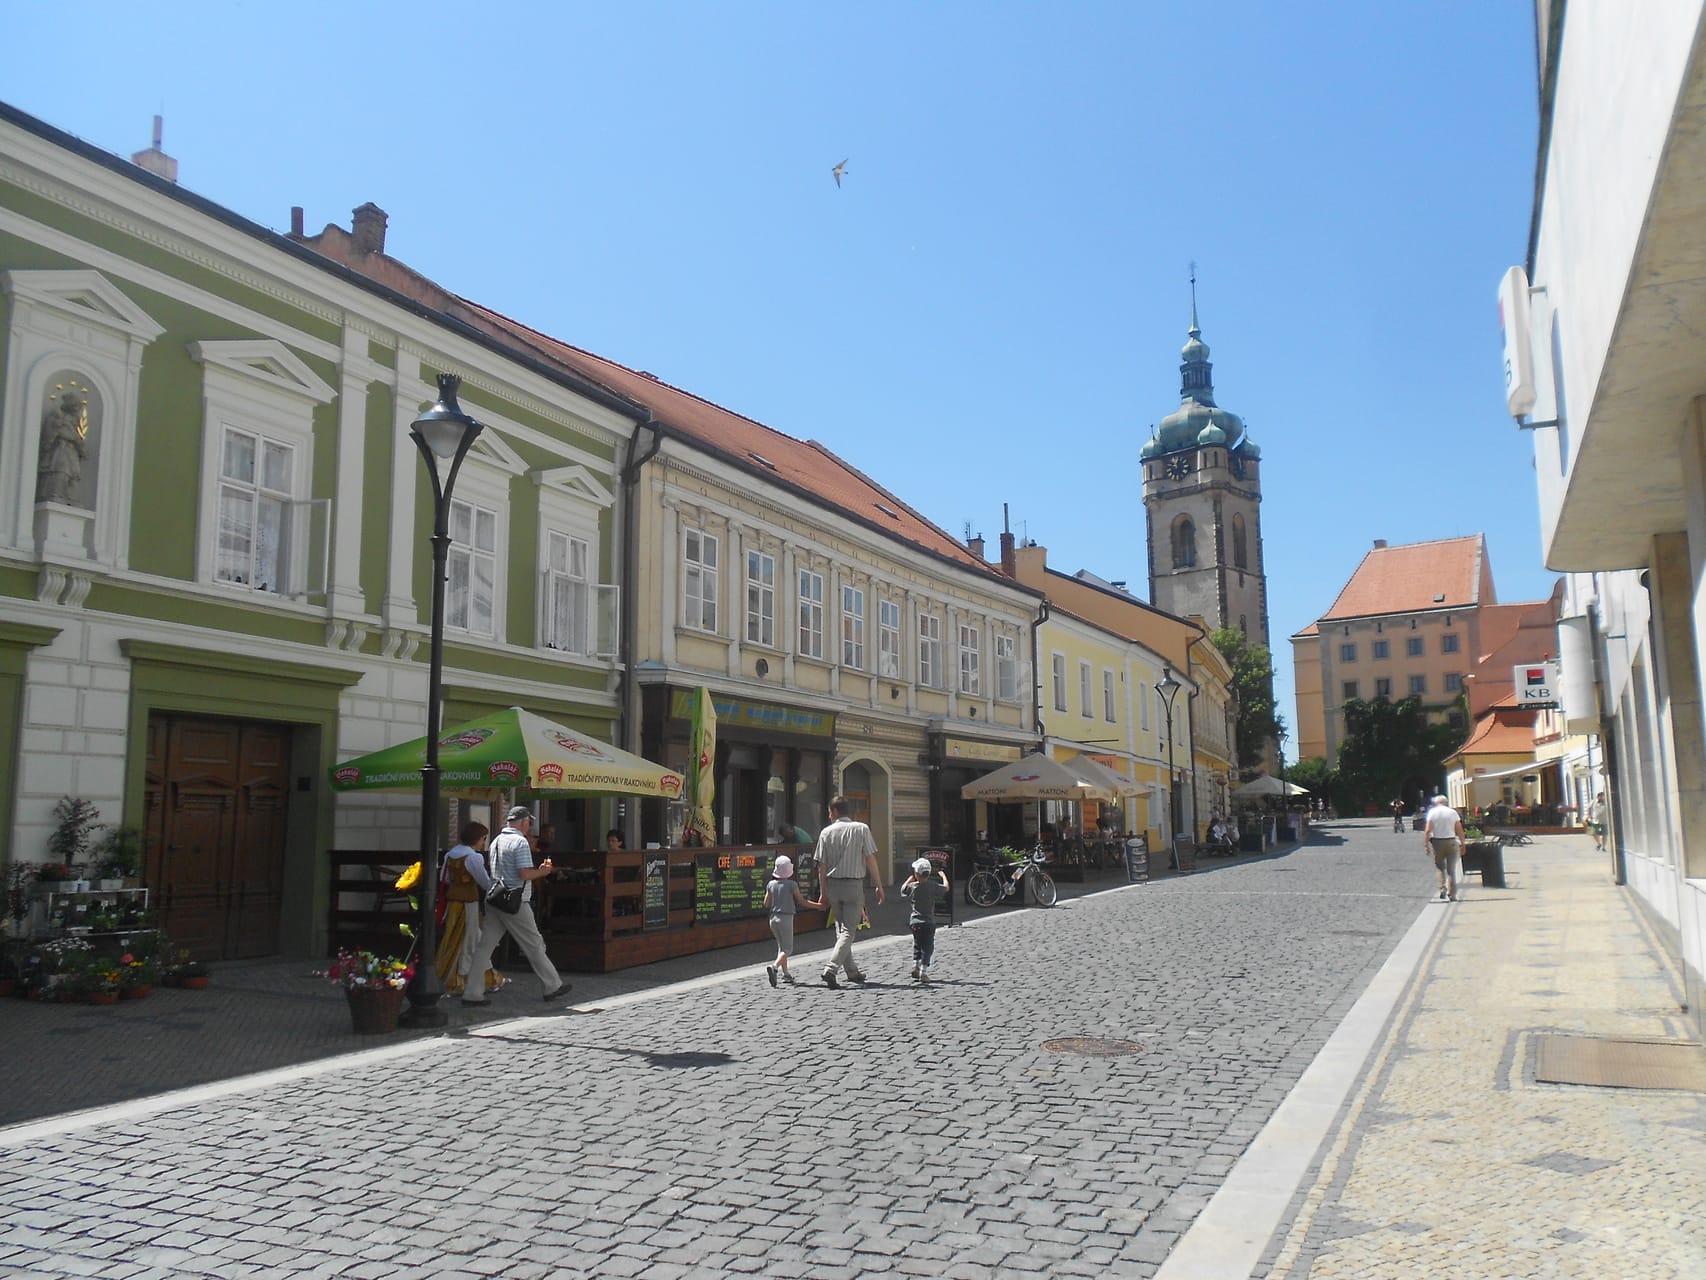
x=926, y=886
x=782, y=897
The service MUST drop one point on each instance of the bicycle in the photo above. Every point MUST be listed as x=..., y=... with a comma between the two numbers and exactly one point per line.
x=994, y=881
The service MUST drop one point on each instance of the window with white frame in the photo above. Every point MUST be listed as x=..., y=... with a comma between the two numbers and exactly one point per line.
x=1413, y=647
x=1453, y=682
x=1057, y=669
x=888, y=638
x=1084, y=707
x=760, y=598
x=1107, y=695
x=256, y=483
x=971, y=659
x=699, y=580
x=852, y=627
x=1006, y=669
x=470, y=580
x=930, y=673
x=1418, y=684
x=567, y=594
x=811, y=614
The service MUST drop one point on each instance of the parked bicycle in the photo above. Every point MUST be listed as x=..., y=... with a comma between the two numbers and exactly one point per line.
x=994, y=881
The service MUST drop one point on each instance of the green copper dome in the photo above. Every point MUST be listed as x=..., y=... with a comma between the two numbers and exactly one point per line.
x=1151, y=447
x=1211, y=434
x=1197, y=420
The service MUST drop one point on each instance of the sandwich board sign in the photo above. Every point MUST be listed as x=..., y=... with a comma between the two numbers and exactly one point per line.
x=1536, y=685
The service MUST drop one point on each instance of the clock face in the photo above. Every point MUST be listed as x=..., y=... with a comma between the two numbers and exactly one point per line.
x=1178, y=468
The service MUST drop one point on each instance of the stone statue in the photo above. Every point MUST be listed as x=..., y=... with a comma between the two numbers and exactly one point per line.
x=64, y=446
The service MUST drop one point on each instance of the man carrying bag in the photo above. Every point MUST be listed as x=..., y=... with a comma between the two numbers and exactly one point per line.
x=511, y=857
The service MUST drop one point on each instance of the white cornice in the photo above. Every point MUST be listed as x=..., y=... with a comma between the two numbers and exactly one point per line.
x=87, y=295
x=576, y=480
x=266, y=361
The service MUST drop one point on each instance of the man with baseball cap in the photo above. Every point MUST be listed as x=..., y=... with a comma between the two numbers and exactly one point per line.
x=511, y=858
x=1442, y=840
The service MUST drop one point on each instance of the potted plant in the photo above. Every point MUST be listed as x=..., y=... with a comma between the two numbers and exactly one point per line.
x=65, y=969
x=19, y=877
x=373, y=986
x=187, y=971
x=57, y=877
x=101, y=983
x=74, y=822
x=137, y=975
x=118, y=857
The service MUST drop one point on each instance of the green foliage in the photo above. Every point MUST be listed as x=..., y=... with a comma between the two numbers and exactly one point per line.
x=119, y=851
x=74, y=822
x=1253, y=682
x=1390, y=749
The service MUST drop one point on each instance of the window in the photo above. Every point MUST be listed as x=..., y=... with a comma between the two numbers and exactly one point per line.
x=1455, y=720
x=255, y=486
x=566, y=594
x=1347, y=653
x=1084, y=707
x=811, y=614
x=1240, y=549
x=888, y=638
x=1350, y=690
x=1382, y=687
x=1184, y=543
x=1006, y=669
x=1107, y=695
x=472, y=569
x=1448, y=642
x=930, y=673
x=1057, y=667
x=1382, y=649
x=1418, y=684
x=1413, y=647
x=853, y=628
x=760, y=598
x=699, y=580
x=1453, y=682
x=971, y=674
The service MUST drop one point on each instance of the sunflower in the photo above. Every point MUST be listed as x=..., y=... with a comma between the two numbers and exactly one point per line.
x=406, y=881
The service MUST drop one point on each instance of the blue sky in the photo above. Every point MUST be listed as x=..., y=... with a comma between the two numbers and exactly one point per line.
x=990, y=308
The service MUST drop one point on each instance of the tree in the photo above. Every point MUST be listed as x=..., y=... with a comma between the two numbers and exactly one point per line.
x=1390, y=748
x=1253, y=682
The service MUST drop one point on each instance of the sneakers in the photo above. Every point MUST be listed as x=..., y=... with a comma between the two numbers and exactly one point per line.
x=855, y=977
x=558, y=994
x=924, y=976
x=770, y=973
x=829, y=980
x=1442, y=895
x=787, y=978
x=914, y=971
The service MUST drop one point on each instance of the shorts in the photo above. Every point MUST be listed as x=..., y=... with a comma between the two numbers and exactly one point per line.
x=782, y=929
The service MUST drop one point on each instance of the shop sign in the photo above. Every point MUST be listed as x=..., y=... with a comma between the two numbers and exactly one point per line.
x=757, y=715
x=968, y=749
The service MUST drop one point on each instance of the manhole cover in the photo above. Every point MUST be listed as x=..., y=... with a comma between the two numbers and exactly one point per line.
x=1091, y=1047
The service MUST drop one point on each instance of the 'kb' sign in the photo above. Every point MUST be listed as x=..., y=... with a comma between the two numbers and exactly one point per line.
x=1536, y=685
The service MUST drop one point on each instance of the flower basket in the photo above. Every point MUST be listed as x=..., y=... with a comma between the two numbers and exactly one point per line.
x=134, y=992
x=374, y=1010
x=193, y=982
x=102, y=997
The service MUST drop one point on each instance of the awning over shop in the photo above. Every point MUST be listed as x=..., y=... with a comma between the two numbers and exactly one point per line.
x=1531, y=766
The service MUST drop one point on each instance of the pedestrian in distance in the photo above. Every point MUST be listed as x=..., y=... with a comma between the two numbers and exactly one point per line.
x=1596, y=820
x=613, y=840
x=925, y=887
x=782, y=899
x=512, y=864
x=1397, y=815
x=1442, y=840
x=846, y=855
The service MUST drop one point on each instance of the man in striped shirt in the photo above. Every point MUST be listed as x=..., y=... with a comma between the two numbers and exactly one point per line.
x=846, y=853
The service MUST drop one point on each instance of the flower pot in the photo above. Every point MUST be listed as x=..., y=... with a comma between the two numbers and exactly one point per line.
x=374, y=1010
x=195, y=983
x=137, y=992
x=103, y=997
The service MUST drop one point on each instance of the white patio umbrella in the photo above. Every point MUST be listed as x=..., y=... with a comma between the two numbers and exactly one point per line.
x=1265, y=785
x=1035, y=777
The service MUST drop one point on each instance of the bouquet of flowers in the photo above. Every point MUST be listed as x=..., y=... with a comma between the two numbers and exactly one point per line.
x=362, y=970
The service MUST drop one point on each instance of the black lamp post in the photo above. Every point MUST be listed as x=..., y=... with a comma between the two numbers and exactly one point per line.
x=442, y=432
x=1168, y=687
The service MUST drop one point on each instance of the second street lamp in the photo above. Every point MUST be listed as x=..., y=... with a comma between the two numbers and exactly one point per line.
x=1168, y=688
x=442, y=433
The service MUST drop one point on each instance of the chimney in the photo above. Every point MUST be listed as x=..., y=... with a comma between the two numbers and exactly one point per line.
x=156, y=161
x=367, y=229
x=1379, y=543
x=975, y=546
x=296, y=221
x=1008, y=564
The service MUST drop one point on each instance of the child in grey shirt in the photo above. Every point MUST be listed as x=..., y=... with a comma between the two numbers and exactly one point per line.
x=926, y=886
x=782, y=897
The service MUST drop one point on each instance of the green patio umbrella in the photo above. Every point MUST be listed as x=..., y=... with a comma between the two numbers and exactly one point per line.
x=507, y=750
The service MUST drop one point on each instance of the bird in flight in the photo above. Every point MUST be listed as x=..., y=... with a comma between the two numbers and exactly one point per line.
x=838, y=171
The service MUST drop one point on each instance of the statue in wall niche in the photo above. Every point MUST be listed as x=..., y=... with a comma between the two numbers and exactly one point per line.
x=64, y=447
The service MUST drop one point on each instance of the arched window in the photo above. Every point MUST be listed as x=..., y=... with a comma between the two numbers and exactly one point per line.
x=1240, y=551
x=1184, y=543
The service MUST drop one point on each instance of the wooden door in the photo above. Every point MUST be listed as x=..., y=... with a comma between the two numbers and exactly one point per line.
x=216, y=796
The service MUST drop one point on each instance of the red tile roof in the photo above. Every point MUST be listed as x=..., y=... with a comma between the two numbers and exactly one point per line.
x=1447, y=574
x=1506, y=731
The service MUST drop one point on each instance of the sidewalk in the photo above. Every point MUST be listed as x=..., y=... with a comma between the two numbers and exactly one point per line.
x=1455, y=1153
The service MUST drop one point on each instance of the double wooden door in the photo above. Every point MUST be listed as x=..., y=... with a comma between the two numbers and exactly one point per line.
x=217, y=792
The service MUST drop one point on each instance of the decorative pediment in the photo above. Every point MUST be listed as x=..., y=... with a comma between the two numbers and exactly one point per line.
x=85, y=295
x=266, y=361
x=577, y=480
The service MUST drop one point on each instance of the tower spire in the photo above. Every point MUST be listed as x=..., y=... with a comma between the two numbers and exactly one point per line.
x=1195, y=330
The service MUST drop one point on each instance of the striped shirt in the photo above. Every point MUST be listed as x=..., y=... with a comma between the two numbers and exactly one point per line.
x=841, y=849
x=511, y=852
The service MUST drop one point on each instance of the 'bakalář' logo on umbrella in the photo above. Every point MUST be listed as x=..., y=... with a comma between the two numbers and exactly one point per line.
x=1026, y=777
x=347, y=776
x=548, y=773
x=504, y=771
x=670, y=784
x=579, y=748
x=467, y=739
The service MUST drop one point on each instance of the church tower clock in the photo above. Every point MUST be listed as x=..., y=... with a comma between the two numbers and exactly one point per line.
x=1202, y=492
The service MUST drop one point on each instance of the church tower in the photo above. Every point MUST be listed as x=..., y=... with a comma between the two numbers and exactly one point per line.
x=1202, y=492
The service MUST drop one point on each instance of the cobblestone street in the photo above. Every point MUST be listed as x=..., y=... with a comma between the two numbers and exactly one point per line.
x=725, y=1128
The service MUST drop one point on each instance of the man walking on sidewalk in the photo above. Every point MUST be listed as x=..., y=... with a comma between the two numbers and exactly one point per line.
x=1442, y=839
x=846, y=853
x=512, y=864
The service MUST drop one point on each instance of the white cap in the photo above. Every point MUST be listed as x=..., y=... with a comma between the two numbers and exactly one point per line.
x=783, y=866
x=921, y=867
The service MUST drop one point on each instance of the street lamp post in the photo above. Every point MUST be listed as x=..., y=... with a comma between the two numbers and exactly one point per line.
x=1168, y=688
x=442, y=432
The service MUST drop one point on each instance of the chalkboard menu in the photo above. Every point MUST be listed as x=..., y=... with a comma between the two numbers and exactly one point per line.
x=656, y=893
x=1137, y=859
x=729, y=883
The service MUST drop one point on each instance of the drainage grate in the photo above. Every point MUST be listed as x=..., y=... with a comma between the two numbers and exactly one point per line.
x=1091, y=1047
x=1620, y=1064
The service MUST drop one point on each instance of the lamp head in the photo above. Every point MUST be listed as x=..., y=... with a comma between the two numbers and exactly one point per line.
x=444, y=426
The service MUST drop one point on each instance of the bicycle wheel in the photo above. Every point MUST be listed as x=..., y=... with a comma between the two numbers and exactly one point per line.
x=1043, y=892
x=984, y=889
